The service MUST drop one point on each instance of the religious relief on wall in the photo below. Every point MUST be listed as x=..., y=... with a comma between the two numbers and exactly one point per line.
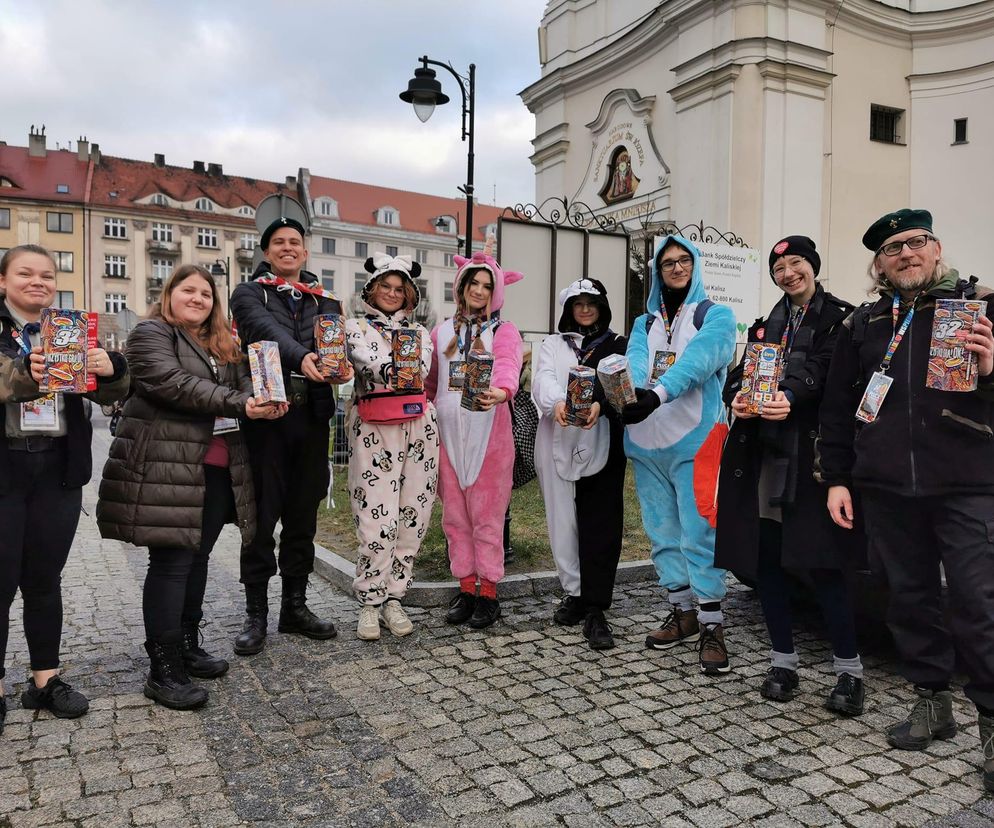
x=620, y=180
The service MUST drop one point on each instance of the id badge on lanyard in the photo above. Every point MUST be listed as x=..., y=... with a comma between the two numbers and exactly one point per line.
x=41, y=414
x=876, y=389
x=662, y=361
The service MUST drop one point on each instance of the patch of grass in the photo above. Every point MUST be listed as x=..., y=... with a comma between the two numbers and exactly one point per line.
x=529, y=534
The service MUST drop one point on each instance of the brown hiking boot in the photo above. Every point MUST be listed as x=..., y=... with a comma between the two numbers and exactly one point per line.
x=714, y=656
x=677, y=627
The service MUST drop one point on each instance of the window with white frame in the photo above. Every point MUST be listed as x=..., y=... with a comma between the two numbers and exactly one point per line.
x=248, y=241
x=445, y=224
x=245, y=272
x=63, y=262
x=162, y=269
x=4, y=218
x=328, y=280
x=450, y=260
x=65, y=299
x=159, y=200
x=327, y=207
x=162, y=232
x=205, y=205
x=421, y=256
x=328, y=246
x=447, y=292
x=360, y=282
x=115, y=228
x=422, y=287
x=116, y=267
x=206, y=237
x=360, y=250
x=245, y=210
x=387, y=215
x=391, y=250
x=114, y=302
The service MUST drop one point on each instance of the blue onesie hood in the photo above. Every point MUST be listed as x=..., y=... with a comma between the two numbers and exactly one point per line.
x=695, y=293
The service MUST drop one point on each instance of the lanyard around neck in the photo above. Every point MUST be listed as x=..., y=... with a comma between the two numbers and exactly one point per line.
x=897, y=335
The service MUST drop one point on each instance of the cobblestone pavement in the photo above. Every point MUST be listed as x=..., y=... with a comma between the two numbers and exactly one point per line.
x=520, y=725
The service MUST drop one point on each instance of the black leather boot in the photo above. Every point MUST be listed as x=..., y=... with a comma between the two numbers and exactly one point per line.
x=252, y=638
x=168, y=683
x=296, y=618
x=199, y=663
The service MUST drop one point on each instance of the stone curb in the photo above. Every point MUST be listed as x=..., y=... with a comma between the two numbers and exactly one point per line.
x=339, y=572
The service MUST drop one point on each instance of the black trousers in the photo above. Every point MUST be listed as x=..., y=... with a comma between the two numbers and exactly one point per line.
x=909, y=538
x=177, y=577
x=600, y=519
x=38, y=519
x=289, y=459
x=828, y=585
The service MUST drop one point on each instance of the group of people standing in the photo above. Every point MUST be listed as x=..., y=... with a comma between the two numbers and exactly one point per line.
x=195, y=450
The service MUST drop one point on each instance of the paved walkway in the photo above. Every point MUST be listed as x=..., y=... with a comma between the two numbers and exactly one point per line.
x=520, y=725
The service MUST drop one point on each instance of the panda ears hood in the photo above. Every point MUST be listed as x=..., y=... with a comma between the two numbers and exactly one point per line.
x=380, y=264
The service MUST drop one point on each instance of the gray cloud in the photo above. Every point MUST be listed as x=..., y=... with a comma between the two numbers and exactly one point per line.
x=265, y=87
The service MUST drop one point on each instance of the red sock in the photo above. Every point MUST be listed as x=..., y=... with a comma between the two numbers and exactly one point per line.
x=468, y=584
x=488, y=589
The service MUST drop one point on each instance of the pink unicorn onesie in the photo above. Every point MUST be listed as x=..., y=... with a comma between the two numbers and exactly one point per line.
x=477, y=451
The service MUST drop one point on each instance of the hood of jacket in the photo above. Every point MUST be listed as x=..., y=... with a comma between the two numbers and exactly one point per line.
x=568, y=295
x=695, y=291
x=484, y=261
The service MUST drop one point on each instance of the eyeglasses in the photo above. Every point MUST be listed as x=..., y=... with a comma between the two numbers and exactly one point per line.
x=914, y=243
x=585, y=305
x=384, y=288
x=685, y=263
x=793, y=264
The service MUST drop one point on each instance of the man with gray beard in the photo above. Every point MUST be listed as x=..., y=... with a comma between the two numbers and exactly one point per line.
x=921, y=461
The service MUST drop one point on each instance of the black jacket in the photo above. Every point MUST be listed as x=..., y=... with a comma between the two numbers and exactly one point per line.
x=16, y=385
x=923, y=442
x=262, y=312
x=810, y=538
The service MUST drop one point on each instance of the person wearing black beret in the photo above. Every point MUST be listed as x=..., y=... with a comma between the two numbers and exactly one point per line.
x=922, y=461
x=289, y=456
x=771, y=513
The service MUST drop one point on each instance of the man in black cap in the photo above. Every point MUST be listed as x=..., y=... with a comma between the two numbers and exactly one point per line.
x=922, y=460
x=289, y=460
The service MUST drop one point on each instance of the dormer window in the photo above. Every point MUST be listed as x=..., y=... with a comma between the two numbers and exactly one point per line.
x=205, y=205
x=387, y=215
x=245, y=210
x=159, y=200
x=445, y=224
x=326, y=207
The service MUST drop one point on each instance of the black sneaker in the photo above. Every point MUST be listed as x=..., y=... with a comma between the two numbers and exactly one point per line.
x=597, y=631
x=57, y=697
x=780, y=684
x=570, y=611
x=461, y=608
x=847, y=696
x=487, y=612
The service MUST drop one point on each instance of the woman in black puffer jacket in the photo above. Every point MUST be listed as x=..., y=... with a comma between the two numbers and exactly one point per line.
x=178, y=471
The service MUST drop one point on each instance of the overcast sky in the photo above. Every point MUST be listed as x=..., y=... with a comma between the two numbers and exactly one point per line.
x=267, y=87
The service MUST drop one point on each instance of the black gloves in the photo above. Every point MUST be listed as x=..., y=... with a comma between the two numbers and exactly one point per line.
x=645, y=403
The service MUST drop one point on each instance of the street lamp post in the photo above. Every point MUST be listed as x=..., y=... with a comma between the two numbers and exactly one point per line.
x=222, y=267
x=425, y=92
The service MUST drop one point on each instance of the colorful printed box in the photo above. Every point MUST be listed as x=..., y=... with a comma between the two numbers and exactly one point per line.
x=950, y=366
x=65, y=339
x=406, y=353
x=267, y=372
x=760, y=374
x=579, y=394
x=616, y=380
x=479, y=370
x=329, y=345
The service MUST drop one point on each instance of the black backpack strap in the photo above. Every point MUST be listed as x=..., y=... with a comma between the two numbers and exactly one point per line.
x=701, y=311
x=858, y=321
x=648, y=324
x=967, y=288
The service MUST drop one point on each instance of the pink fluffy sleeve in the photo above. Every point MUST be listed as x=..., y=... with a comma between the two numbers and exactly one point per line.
x=507, y=358
x=431, y=383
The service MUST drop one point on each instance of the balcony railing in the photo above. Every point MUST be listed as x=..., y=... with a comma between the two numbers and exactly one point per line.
x=169, y=248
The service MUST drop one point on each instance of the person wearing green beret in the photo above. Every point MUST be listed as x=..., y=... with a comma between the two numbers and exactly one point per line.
x=289, y=456
x=919, y=451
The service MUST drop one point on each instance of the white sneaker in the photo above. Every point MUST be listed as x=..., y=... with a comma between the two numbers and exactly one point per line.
x=396, y=619
x=369, y=623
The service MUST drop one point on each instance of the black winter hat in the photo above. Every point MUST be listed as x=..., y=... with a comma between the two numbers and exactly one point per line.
x=796, y=246
x=282, y=221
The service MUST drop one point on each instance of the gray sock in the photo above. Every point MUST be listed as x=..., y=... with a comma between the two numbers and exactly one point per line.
x=789, y=661
x=710, y=616
x=852, y=666
x=682, y=598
